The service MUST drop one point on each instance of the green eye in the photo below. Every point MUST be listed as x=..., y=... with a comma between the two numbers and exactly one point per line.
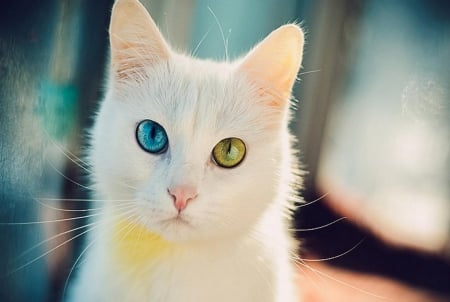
x=229, y=152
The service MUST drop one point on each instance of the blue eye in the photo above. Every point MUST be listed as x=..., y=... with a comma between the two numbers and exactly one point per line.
x=152, y=137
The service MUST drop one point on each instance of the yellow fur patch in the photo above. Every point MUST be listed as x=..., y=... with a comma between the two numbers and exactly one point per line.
x=137, y=246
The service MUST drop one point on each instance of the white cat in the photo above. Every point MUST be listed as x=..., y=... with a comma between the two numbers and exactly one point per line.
x=194, y=161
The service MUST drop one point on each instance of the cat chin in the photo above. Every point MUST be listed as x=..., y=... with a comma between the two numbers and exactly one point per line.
x=185, y=231
x=179, y=232
x=174, y=228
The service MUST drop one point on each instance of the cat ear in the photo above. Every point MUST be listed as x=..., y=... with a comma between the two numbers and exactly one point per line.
x=273, y=64
x=135, y=39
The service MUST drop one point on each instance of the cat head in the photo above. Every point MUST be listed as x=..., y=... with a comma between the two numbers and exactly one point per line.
x=197, y=148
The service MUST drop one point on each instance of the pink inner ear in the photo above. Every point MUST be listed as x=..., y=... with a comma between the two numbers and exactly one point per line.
x=273, y=64
x=126, y=63
x=276, y=98
x=130, y=61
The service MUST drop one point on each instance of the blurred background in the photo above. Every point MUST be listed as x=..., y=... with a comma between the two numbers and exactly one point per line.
x=372, y=120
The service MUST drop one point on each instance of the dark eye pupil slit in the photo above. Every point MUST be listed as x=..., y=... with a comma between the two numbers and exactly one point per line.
x=153, y=132
x=229, y=146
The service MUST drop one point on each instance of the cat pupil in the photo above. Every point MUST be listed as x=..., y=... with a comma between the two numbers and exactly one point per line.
x=231, y=152
x=229, y=147
x=153, y=133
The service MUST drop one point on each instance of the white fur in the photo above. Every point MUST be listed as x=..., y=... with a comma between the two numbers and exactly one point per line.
x=236, y=246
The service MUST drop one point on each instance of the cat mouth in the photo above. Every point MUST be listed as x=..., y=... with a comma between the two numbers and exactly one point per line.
x=177, y=220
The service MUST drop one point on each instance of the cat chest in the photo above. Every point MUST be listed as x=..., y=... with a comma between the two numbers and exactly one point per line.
x=146, y=267
x=180, y=281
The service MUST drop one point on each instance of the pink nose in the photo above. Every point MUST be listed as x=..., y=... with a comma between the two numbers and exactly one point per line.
x=182, y=195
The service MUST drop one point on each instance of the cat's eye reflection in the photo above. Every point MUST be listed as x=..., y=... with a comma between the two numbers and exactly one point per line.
x=152, y=137
x=229, y=152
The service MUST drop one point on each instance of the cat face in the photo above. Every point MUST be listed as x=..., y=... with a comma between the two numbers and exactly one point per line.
x=198, y=149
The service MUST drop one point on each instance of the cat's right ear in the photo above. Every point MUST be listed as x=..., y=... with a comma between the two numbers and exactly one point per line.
x=135, y=39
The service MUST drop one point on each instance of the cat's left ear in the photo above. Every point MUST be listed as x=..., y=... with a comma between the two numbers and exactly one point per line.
x=273, y=64
x=135, y=39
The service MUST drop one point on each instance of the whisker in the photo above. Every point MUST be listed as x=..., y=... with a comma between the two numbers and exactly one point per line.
x=194, y=52
x=54, y=237
x=313, y=202
x=95, y=225
x=141, y=232
x=319, y=227
x=68, y=178
x=41, y=200
x=310, y=279
x=64, y=210
x=51, y=250
x=337, y=256
x=71, y=156
x=166, y=21
x=83, y=199
x=63, y=233
x=125, y=184
x=73, y=268
x=131, y=225
x=225, y=41
x=258, y=268
x=296, y=258
x=343, y=283
x=309, y=71
x=78, y=162
x=49, y=221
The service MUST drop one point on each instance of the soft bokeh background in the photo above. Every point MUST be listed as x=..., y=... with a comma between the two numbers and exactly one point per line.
x=372, y=121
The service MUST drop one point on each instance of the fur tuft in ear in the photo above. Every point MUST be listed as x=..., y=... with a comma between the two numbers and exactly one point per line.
x=135, y=39
x=273, y=64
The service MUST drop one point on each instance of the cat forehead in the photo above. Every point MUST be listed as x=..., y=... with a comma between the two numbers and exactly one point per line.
x=195, y=96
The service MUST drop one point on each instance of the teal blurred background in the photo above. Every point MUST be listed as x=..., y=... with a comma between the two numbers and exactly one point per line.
x=372, y=121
